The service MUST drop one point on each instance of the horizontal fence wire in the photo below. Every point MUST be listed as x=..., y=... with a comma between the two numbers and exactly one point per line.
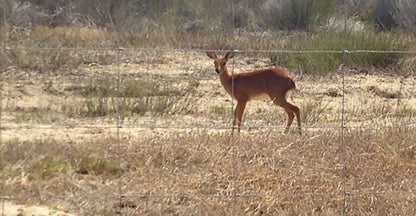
x=239, y=195
x=174, y=50
x=201, y=127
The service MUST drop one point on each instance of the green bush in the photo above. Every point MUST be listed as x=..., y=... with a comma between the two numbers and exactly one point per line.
x=295, y=14
x=321, y=63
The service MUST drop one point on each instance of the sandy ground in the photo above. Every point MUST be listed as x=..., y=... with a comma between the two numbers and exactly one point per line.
x=24, y=92
x=11, y=209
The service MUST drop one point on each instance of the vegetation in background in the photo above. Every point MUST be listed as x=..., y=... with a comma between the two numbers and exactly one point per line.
x=199, y=16
x=188, y=24
x=296, y=14
x=321, y=63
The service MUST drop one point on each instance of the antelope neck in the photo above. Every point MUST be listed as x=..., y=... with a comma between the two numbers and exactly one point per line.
x=226, y=80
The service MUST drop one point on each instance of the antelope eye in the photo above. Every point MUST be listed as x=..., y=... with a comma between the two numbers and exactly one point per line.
x=223, y=64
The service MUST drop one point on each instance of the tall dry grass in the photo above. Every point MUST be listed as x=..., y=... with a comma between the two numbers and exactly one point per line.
x=52, y=49
x=184, y=173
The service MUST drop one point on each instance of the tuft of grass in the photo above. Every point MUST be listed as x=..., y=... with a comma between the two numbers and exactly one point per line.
x=44, y=48
x=71, y=36
x=408, y=64
x=99, y=106
x=33, y=117
x=51, y=59
x=131, y=88
x=218, y=109
x=385, y=93
x=314, y=111
x=134, y=97
x=111, y=106
x=45, y=166
x=43, y=158
x=405, y=110
x=370, y=109
x=96, y=166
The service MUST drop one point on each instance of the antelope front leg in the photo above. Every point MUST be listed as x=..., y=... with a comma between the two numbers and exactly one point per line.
x=238, y=114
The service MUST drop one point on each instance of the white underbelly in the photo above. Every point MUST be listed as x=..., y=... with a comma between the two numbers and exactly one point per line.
x=260, y=97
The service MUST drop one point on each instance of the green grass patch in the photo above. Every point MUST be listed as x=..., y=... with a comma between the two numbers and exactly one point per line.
x=46, y=166
x=51, y=164
x=136, y=96
x=42, y=158
x=322, y=63
x=107, y=87
x=97, y=166
x=33, y=117
x=112, y=106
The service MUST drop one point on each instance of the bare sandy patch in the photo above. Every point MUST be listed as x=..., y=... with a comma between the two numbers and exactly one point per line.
x=25, y=210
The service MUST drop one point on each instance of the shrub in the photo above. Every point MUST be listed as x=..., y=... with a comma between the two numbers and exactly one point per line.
x=405, y=15
x=295, y=14
x=383, y=15
x=322, y=63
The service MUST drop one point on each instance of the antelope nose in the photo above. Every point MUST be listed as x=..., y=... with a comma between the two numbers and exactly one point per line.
x=217, y=70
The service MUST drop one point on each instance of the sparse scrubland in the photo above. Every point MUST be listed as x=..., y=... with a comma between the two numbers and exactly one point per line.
x=102, y=98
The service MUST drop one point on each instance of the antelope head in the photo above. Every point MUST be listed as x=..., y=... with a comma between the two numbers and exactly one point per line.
x=220, y=63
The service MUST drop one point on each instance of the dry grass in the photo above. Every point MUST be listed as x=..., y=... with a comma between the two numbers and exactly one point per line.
x=75, y=160
x=186, y=172
x=45, y=49
x=76, y=35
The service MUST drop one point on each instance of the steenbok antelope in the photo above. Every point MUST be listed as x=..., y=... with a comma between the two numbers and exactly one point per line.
x=255, y=85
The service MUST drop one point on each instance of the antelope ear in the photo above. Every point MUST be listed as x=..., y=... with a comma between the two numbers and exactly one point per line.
x=228, y=55
x=211, y=54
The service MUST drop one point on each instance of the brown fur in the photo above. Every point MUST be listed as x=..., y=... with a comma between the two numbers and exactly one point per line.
x=273, y=82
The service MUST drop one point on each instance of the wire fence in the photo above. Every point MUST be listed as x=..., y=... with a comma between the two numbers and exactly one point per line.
x=119, y=126
x=140, y=136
